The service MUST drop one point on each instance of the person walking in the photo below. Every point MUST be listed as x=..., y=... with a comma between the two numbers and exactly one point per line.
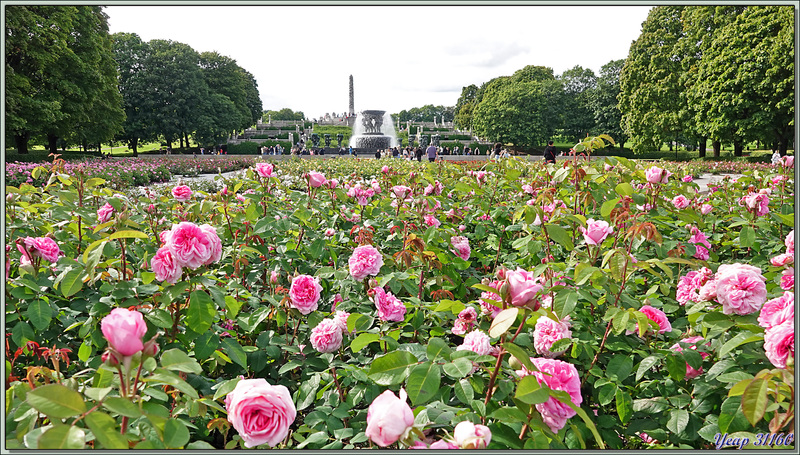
x=432, y=153
x=550, y=153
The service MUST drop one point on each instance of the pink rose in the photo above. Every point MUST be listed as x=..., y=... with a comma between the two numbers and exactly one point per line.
x=787, y=279
x=43, y=247
x=444, y=445
x=385, y=169
x=557, y=375
x=788, y=161
x=315, y=179
x=657, y=175
x=124, y=330
x=182, y=193
x=689, y=285
x=330, y=232
x=390, y=308
x=401, y=191
x=687, y=178
x=332, y=183
x=304, y=293
x=273, y=277
x=654, y=314
x=700, y=241
x=264, y=169
x=757, y=203
x=548, y=332
x=740, y=290
x=705, y=209
x=478, y=342
x=777, y=311
x=365, y=261
x=165, y=266
x=341, y=320
x=789, y=242
x=461, y=244
x=691, y=373
x=216, y=243
x=782, y=260
x=327, y=336
x=779, y=343
x=596, y=231
x=523, y=288
x=460, y=327
x=190, y=245
x=260, y=412
x=471, y=436
x=468, y=315
x=104, y=213
x=389, y=418
x=431, y=220
x=680, y=202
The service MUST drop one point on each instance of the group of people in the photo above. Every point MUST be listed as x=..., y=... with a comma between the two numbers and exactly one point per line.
x=272, y=150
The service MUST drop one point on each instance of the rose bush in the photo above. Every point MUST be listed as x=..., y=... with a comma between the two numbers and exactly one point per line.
x=422, y=311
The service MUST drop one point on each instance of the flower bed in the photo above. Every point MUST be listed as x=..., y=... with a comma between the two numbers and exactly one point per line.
x=329, y=304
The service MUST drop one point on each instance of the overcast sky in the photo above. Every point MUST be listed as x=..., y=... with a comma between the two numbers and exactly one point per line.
x=400, y=56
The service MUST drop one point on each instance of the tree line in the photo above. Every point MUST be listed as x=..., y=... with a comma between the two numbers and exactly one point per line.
x=68, y=81
x=695, y=74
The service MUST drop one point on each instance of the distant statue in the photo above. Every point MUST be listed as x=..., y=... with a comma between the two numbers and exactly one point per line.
x=339, y=138
x=327, y=140
x=435, y=140
x=315, y=139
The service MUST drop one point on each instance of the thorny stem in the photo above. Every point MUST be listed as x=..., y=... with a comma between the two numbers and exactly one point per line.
x=490, y=388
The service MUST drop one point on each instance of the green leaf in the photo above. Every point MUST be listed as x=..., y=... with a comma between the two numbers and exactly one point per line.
x=438, y=348
x=129, y=234
x=122, y=406
x=176, y=435
x=391, y=368
x=565, y=302
x=624, y=405
x=619, y=368
x=72, y=282
x=235, y=351
x=678, y=420
x=423, y=382
x=315, y=438
x=530, y=392
x=741, y=338
x=177, y=360
x=608, y=206
x=624, y=189
x=363, y=340
x=201, y=312
x=645, y=366
x=747, y=237
x=464, y=391
x=233, y=306
x=458, y=368
x=606, y=394
x=62, y=437
x=560, y=235
x=520, y=355
x=206, y=344
x=503, y=321
x=164, y=376
x=56, y=401
x=104, y=428
x=40, y=314
x=676, y=366
x=755, y=400
x=226, y=388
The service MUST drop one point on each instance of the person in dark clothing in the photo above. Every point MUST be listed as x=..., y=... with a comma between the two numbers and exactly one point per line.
x=378, y=154
x=550, y=153
x=418, y=153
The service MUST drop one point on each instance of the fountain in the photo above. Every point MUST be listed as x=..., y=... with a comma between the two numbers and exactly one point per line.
x=373, y=130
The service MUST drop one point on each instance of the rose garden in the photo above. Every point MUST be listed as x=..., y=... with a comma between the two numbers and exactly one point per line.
x=350, y=303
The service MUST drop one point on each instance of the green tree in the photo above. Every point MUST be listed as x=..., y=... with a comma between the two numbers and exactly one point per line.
x=218, y=118
x=464, y=107
x=579, y=84
x=512, y=112
x=131, y=55
x=284, y=114
x=744, y=81
x=225, y=77
x=604, y=103
x=173, y=73
x=650, y=88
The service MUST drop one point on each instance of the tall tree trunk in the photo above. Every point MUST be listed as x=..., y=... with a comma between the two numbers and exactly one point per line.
x=738, y=146
x=783, y=145
x=186, y=136
x=717, y=147
x=703, y=146
x=134, y=144
x=180, y=139
x=84, y=145
x=21, y=141
x=52, y=143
